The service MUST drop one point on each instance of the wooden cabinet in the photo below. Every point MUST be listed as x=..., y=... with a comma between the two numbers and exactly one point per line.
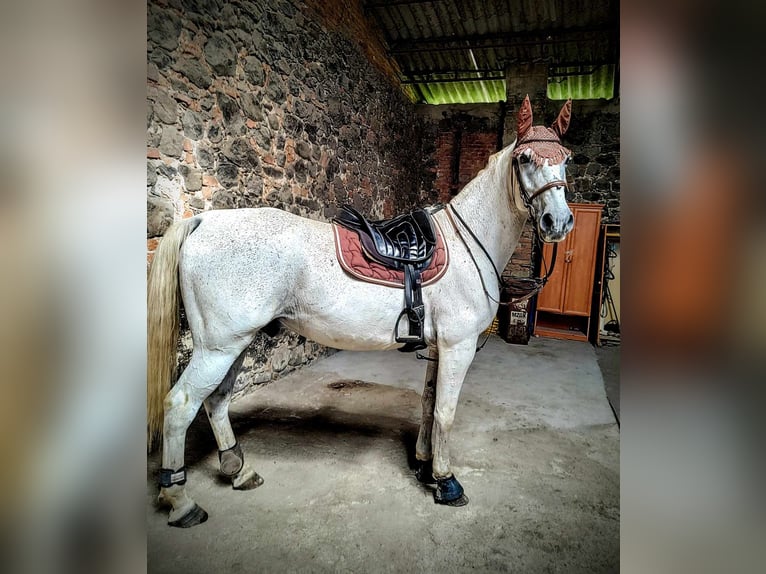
x=564, y=305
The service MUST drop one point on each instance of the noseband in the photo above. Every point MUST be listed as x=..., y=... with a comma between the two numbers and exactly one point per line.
x=525, y=196
x=551, y=184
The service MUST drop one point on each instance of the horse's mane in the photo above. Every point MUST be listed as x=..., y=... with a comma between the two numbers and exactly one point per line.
x=494, y=158
x=509, y=148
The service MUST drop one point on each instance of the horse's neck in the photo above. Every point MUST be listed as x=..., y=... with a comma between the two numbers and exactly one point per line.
x=487, y=207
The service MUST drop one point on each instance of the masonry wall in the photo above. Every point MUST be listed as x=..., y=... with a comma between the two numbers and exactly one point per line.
x=594, y=137
x=274, y=103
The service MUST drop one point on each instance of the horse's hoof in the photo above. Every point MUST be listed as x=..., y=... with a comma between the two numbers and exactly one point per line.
x=462, y=501
x=449, y=492
x=195, y=516
x=249, y=483
x=425, y=472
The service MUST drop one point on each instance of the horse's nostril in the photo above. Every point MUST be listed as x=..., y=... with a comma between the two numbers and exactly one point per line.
x=547, y=221
x=570, y=221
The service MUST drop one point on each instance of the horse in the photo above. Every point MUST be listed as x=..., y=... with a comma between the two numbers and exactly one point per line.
x=238, y=271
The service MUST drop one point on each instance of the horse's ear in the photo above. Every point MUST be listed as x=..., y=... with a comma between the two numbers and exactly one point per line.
x=562, y=122
x=524, y=118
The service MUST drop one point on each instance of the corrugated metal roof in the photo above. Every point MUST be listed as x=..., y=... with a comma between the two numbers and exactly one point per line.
x=577, y=83
x=457, y=50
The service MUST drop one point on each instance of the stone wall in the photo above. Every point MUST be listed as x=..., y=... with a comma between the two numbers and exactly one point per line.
x=593, y=137
x=268, y=103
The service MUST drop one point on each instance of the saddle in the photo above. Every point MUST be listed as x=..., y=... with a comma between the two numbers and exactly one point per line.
x=404, y=243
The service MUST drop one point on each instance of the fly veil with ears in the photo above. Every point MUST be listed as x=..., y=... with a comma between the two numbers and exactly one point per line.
x=542, y=144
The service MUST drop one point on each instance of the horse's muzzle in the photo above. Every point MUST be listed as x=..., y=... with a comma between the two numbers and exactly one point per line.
x=555, y=226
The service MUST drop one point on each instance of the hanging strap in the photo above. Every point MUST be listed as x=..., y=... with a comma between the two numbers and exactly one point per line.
x=537, y=284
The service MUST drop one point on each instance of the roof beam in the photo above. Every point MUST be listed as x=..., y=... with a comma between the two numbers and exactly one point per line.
x=501, y=68
x=447, y=71
x=555, y=70
x=583, y=69
x=455, y=79
x=506, y=40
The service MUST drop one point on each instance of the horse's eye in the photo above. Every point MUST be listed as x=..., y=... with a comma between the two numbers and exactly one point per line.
x=523, y=158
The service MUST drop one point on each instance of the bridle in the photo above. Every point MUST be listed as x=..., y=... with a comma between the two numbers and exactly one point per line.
x=526, y=198
x=523, y=288
x=520, y=288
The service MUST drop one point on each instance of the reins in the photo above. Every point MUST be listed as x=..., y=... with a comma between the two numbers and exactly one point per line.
x=521, y=288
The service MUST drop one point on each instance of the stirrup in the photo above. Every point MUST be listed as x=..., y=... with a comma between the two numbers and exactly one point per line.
x=414, y=339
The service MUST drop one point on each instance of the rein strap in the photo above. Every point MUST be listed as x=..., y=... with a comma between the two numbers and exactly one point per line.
x=521, y=288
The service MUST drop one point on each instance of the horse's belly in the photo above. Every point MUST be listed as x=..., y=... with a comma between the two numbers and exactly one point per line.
x=350, y=323
x=341, y=312
x=335, y=336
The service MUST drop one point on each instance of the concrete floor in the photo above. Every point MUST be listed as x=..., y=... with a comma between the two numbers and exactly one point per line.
x=535, y=445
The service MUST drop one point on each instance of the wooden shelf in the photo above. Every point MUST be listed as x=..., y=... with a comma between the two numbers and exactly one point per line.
x=564, y=305
x=560, y=326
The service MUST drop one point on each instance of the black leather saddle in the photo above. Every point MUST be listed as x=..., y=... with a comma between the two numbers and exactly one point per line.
x=406, y=243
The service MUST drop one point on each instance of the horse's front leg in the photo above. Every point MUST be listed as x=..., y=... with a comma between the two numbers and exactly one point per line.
x=423, y=450
x=454, y=361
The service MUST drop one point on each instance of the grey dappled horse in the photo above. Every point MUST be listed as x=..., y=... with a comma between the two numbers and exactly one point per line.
x=239, y=270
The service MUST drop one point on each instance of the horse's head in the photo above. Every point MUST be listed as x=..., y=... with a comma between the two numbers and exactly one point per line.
x=540, y=163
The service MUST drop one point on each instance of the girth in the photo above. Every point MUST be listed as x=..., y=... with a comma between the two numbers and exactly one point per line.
x=406, y=243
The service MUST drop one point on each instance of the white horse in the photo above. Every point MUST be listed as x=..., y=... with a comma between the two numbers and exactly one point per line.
x=240, y=270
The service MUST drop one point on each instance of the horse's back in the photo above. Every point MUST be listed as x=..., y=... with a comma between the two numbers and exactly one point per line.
x=243, y=233
x=223, y=224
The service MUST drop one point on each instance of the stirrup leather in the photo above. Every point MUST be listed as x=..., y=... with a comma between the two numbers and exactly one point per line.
x=414, y=310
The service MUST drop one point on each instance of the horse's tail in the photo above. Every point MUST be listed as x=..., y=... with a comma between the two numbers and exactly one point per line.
x=162, y=307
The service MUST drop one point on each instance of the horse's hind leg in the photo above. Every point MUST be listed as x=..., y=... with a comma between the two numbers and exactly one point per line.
x=423, y=450
x=200, y=378
x=230, y=457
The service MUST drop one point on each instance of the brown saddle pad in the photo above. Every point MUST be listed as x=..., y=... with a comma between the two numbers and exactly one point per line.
x=352, y=257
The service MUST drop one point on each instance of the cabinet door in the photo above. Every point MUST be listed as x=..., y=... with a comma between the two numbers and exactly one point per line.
x=551, y=298
x=580, y=258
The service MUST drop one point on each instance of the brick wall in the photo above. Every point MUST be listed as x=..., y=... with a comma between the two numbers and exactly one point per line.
x=470, y=129
x=274, y=103
x=453, y=173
